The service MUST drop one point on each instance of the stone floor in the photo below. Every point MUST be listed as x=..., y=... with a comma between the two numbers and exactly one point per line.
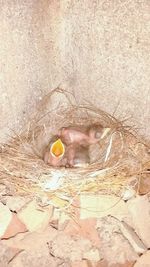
x=113, y=236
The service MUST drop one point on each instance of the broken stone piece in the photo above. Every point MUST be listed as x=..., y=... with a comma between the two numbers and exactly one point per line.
x=133, y=239
x=6, y=254
x=104, y=263
x=139, y=210
x=115, y=248
x=35, y=249
x=15, y=227
x=15, y=203
x=65, y=247
x=32, y=241
x=35, y=259
x=144, y=260
x=83, y=228
x=92, y=255
x=99, y=206
x=35, y=218
x=5, y=218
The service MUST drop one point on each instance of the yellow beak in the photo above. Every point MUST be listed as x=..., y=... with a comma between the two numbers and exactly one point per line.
x=57, y=149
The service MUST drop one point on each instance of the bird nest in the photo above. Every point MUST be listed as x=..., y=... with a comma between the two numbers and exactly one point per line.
x=121, y=156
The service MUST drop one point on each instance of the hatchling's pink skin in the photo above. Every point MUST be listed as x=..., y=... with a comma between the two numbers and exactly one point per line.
x=53, y=161
x=71, y=135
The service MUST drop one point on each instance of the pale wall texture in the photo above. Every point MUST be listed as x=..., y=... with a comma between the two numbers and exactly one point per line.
x=98, y=49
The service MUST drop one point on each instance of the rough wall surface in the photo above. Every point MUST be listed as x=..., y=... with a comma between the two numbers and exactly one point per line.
x=98, y=49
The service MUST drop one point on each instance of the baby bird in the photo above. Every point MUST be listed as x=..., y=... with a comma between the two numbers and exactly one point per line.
x=54, y=154
x=71, y=147
x=83, y=136
x=77, y=156
x=81, y=158
x=57, y=155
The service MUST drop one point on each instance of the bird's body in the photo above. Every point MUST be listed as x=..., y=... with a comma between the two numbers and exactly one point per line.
x=81, y=136
x=70, y=148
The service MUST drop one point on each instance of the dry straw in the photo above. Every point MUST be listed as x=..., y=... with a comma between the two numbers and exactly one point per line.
x=121, y=155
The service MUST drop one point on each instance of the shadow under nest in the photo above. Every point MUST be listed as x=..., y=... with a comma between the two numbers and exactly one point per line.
x=121, y=157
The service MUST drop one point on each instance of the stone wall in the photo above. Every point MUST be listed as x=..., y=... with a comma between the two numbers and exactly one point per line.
x=99, y=49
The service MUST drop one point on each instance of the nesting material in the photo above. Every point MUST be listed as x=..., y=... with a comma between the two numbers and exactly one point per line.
x=119, y=158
